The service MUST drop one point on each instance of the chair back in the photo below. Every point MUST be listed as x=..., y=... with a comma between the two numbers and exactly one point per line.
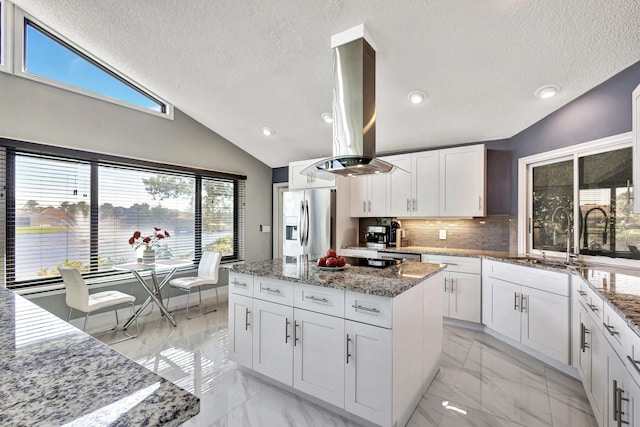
x=77, y=293
x=209, y=265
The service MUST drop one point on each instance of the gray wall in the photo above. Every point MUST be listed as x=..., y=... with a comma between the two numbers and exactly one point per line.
x=603, y=111
x=35, y=112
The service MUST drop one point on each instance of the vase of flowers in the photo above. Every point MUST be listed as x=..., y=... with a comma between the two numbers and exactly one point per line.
x=148, y=243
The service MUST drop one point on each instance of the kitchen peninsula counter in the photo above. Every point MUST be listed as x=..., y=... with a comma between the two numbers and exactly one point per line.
x=388, y=282
x=54, y=374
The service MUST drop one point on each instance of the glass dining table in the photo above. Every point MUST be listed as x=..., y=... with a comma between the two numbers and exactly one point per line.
x=154, y=291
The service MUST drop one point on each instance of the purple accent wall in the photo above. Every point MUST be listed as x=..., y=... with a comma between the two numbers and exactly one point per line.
x=603, y=111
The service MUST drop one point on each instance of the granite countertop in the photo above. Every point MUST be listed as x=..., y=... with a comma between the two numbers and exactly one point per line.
x=388, y=282
x=417, y=250
x=51, y=373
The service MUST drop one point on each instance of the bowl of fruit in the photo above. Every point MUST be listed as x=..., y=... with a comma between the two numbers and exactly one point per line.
x=331, y=262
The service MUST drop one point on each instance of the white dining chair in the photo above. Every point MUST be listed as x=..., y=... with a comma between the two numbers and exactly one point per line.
x=207, y=275
x=79, y=298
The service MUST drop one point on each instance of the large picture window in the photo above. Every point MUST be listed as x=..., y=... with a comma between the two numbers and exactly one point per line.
x=81, y=212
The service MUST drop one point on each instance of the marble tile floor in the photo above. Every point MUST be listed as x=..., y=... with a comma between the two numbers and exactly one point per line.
x=482, y=382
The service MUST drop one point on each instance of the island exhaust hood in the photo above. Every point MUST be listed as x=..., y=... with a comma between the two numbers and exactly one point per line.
x=354, y=109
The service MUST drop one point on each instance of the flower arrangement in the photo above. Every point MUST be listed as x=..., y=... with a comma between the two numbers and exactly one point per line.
x=148, y=242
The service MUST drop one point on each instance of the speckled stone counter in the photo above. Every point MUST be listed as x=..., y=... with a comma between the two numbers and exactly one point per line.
x=388, y=282
x=418, y=250
x=51, y=373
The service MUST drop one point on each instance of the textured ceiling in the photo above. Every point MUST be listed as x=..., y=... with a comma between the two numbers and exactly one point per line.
x=237, y=65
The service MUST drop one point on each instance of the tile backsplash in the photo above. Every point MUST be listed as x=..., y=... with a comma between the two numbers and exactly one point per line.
x=492, y=233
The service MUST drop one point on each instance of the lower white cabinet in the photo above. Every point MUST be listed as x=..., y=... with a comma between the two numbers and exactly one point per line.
x=462, y=290
x=272, y=350
x=590, y=361
x=319, y=355
x=534, y=317
x=368, y=380
x=374, y=359
x=623, y=394
x=241, y=329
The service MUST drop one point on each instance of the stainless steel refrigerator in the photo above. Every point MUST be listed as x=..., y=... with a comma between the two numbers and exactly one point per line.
x=309, y=222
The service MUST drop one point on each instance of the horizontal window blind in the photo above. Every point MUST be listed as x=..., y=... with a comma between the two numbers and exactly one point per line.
x=51, y=216
x=218, y=222
x=133, y=200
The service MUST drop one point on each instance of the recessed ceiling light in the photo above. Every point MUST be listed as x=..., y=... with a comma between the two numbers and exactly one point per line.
x=267, y=131
x=547, y=91
x=327, y=117
x=417, y=96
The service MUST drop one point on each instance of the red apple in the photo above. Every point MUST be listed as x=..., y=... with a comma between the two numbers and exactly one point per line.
x=331, y=262
x=331, y=253
x=321, y=262
x=341, y=261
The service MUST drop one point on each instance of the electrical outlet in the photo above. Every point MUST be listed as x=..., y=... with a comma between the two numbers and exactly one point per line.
x=443, y=234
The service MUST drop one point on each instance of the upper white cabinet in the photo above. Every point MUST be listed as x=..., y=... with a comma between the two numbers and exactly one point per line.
x=635, y=126
x=413, y=188
x=297, y=181
x=368, y=195
x=462, y=181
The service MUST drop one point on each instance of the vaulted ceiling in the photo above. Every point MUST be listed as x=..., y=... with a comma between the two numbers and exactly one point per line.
x=238, y=65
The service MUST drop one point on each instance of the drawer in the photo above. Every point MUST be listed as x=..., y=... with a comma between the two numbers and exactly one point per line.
x=537, y=278
x=371, y=309
x=319, y=299
x=616, y=330
x=456, y=263
x=590, y=299
x=241, y=284
x=278, y=291
x=631, y=358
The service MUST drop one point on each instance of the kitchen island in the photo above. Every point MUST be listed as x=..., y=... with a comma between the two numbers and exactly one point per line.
x=51, y=373
x=362, y=341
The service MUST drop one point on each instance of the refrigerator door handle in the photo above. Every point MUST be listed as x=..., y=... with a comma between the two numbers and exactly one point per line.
x=300, y=224
x=306, y=226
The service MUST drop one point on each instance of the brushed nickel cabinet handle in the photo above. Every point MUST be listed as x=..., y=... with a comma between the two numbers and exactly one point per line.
x=348, y=354
x=246, y=319
x=446, y=280
x=316, y=299
x=362, y=307
x=593, y=307
x=523, y=298
x=516, y=301
x=239, y=284
x=582, y=293
x=479, y=203
x=364, y=206
x=286, y=330
x=582, y=329
x=408, y=208
x=273, y=291
x=295, y=333
x=414, y=204
x=369, y=205
x=611, y=329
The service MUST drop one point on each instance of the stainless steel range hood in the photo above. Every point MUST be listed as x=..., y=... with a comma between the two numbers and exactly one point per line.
x=354, y=109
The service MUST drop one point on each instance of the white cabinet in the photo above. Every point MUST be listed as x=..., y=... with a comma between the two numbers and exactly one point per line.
x=298, y=181
x=462, y=291
x=623, y=394
x=368, y=195
x=319, y=356
x=462, y=181
x=413, y=191
x=241, y=329
x=273, y=340
x=590, y=361
x=368, y=369
x=528, y=305
x=635, y=126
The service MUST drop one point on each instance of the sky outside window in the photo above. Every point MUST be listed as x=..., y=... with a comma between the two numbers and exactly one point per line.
x=48, y=58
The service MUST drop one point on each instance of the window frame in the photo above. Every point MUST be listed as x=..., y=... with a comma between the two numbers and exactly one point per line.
x=14, y=148
x=20, y=20
x=574, y=152
x=6, y=11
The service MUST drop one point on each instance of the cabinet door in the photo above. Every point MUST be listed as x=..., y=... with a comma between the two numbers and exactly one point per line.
x=319, y=356
x=464, y=301
x=622, y=394
x=296, y=180
x=399, y=188
x=425, y=183
x=368, y=385
x=272, y=342
x=503, y=313
x=359, y=195
x=462, y=181
x=598, y=346
x=583, y=342
x=377, y=203
x=240, y=329
x=446, y=294
x=545, y=323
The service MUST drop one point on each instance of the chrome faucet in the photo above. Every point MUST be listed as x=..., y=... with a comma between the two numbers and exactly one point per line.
x=586, y=230
x=568, y=231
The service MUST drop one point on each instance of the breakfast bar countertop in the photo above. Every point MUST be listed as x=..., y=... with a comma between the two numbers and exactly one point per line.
x=51, y=373
x=388, y=282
